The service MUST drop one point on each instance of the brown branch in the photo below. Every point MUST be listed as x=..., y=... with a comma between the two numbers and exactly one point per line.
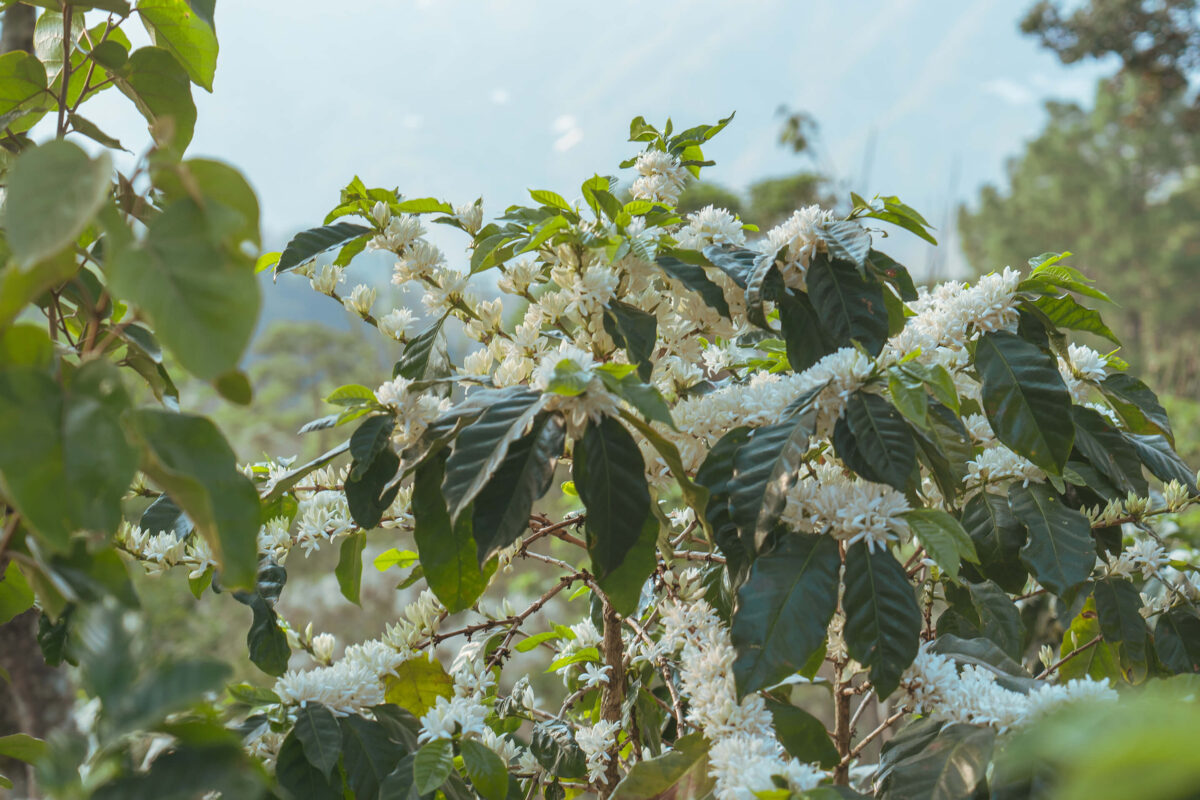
x=870, y=737
x=613, y=652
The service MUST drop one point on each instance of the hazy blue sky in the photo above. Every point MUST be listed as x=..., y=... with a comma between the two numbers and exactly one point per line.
x=461, y=99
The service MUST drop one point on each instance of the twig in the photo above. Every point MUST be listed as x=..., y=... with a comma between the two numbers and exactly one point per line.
x=870, y=737
x=1054, y=667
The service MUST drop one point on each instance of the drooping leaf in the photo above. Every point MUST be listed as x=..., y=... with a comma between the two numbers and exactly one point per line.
x=804, y=335
x=502, y=507
x=1160, y=458
x=349, y=567
x=986, y=654
x=486, y=770
x=420, y=354
x=883, y=621
x=883, y=449
x=432, y=765
x=609, y=475
x=1177, y=640
x=480, y=448
x=983, y=610
x=1108, y=450
x=783, y=609
x=764, y=468
x=736, y=262
x=369, y=496
x=188, y=457
x=850, y=306
x=693, y=277
x=314, y=241
x=1025, y=399
x=802, y=735
x=448, y=551
x=53, y=192
x=998, y=538
x=846, y=241
x=635, y=331
x=298, y=777
x=176, y=27
x=1136, y=405
x=1059, y=552
x=368, y=754
x=1119, y=609
x=320, y=735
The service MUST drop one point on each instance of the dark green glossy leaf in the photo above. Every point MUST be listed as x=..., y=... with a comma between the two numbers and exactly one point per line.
x=693, y=277
x=321, y=736
x=1177, y=640
x=1108, y=450
x=764, y=468
x=314, y=241
x=1025, y=399
x=1136, y=405
x=1160, y=458
x=736, y=262
x=1059, y=552
x=950, y=767
x=883, y=621
x=846, y=241
x=803, y=735
x=370, y=495
x=883, y=448
x=1119, y=608
x=983, y=610
x=998, y=538
x=984, y=653
x=943, y=538
x=635, y=331
x=553, y=745
x=783, y=609
x=804, y=335
x=502, y=507
x=368, y=441
x=423, y=356
x=368, y=754
x=850, y=306
x=481, y=447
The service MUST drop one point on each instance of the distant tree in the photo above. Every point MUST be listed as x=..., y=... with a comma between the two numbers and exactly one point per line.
x=1119, y=186
x=1157, y=41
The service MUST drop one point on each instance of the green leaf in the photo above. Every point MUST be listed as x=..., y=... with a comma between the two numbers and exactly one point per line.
x=644, y=397
x=736, y=262
x=1025, y=399
x=424, y=205
x=22, y=85
x=983, y=610
x=314, y=241
x=802, y=735
x=883, y=621
x=22, y=747
x=395, y=558
x=368, y=754
x=369, y=440
x=943, y=538
x=694, y=278
x=371, y=494
x=481, y=446
x=502, y=507
x=486, y=770
x=682, y=772
x=416, y=684
x=1119, y=609
x=419, y=353
x=693, y=493
x=162, y=92
x=351, y=394
x=349, y=566
x=880, y=446
x=553, y=745
x=636, y=331
x=805, y=336
x=178, y=29
x=1067, y=312
x=201, y=295
x=983, y=652
x=998, y=537
x=609, y=475
x=783, y=609
x=846, y=241
x=321, y=736
x=950, y=767
x=187, y=456
x=764, y=469
x=850, y=306
x=215, y=183
x=1097, y=661
x=1108, y=450
x=1060, y=552
x=54, y=191
x=1136, y=405
x=299, y=779
x=1162, y=460
x=66, y=462
x=433, y=765
x=1177, y=640
x=448, y=551
x=15, y=595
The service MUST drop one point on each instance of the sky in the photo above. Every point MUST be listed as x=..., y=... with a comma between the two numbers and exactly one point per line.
x=924, y=99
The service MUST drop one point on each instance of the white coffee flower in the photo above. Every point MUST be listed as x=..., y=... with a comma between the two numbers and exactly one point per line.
x=360, y=300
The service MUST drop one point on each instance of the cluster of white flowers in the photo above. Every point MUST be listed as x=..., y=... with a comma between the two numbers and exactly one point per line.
x=1081, y=368
x=161, y=550
x=953, y=313
x=708, y=226
x=745, y=754
x=596, y=742
x=854, y=509
x=413, y=410
x=356, y=681
x=794, y=241
x=661, y=178
x=995, y=463
x=937, y=687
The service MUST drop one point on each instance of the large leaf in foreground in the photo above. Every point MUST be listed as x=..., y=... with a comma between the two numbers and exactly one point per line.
x=783, y=609
x=1025, y=399
x=883, y=621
